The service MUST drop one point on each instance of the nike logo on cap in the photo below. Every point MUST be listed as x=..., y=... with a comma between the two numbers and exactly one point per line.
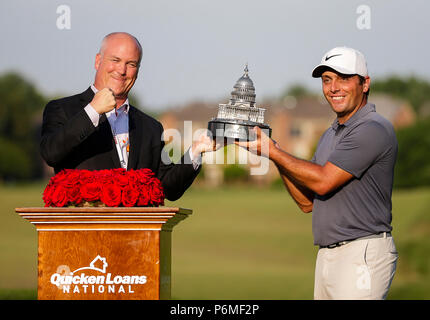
x=326, y=58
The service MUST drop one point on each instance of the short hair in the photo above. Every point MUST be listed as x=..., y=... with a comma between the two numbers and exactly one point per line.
x=103, y=43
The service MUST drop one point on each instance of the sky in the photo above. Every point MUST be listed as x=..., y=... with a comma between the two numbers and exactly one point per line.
x=197, y=49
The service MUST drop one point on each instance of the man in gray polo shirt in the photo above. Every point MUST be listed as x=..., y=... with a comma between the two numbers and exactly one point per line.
x=347, y=185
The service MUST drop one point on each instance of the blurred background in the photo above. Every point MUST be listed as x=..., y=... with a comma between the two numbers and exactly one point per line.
x=246, y=239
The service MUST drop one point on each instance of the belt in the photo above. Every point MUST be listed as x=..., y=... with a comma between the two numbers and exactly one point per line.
x=372, y=236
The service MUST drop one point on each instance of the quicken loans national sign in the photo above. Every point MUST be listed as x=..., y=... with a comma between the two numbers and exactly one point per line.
x=78, y=282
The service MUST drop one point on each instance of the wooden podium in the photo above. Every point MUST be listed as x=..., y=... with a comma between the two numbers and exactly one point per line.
x=103, y=252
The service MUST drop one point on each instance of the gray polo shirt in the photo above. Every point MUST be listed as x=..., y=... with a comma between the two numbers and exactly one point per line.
x=366, y=147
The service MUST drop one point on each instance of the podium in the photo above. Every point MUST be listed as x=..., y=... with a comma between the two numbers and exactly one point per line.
x=104, y=253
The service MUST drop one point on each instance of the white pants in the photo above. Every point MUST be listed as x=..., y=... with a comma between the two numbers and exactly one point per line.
x=361, y=269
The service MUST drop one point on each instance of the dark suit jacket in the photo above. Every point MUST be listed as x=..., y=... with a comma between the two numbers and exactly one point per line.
x=70, y=140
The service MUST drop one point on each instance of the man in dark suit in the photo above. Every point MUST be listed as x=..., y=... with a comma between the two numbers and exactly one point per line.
x=99, y=129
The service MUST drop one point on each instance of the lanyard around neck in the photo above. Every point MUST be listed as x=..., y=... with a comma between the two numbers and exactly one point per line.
x=119, y=151
x=118, y=147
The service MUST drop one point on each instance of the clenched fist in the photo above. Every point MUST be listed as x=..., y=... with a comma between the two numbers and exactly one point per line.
x=103, y=101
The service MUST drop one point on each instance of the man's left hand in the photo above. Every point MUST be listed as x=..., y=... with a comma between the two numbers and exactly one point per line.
x=262, y=145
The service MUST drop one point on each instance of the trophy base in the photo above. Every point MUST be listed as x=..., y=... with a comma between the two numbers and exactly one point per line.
x=240, y=130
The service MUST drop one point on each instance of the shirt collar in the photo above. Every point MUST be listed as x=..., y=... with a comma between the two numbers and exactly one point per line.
x=125, y=106
x=368, y=107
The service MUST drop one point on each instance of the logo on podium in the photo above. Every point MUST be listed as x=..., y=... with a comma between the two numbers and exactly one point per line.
x=78, y=282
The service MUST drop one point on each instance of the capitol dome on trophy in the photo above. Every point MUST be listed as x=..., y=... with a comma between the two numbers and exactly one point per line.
x=236, y=119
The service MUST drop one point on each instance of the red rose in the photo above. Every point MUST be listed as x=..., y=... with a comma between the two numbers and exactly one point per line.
x=91, y=191
x=86, y=177
x=118, y=171
x=59, y=177
x=157, y=193
x=104, y=176
x=74, y=194
x=112, y=187
x=147, y=172
x=144, y=175
x=120, y=177
x=144, y=197
x=72, y=178
x=133, y=179
x=111, y=195
x=129, y=196
x=59, y=196
x=47, y=194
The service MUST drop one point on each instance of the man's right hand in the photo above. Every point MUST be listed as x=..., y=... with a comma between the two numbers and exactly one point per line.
x=103, y=101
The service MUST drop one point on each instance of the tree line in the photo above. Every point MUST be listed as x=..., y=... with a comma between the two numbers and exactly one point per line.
x=21, y=107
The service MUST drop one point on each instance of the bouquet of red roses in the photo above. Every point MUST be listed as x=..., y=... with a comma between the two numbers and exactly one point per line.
x=113, y=188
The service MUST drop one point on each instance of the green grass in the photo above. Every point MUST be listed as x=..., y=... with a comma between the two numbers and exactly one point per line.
x=239, y=243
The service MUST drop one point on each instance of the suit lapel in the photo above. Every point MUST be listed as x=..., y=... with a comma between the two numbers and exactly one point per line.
x=86, y=96
x=135, y=137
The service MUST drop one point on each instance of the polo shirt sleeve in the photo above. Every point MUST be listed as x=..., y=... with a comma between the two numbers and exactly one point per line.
x=360, y=148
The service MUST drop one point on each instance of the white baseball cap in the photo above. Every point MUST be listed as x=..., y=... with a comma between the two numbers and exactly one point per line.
x=344, y=60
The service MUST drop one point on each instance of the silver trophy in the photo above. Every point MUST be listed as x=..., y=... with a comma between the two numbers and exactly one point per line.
x=236, y=119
